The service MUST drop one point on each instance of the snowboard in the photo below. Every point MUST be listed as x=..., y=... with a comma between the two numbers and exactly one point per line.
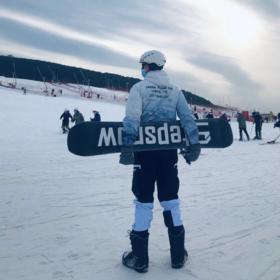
x=99, y=138
x=269, y=143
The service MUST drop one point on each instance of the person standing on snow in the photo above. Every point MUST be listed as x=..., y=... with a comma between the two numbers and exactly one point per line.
x=258, y=122
x=224, y=117
x=77, y=117
x=242, y=125
x=151, y=100
x=209, y=116
x=277, y=124
x=97, y=117
x=65, y=122
x=195, y=113
x=266, y=119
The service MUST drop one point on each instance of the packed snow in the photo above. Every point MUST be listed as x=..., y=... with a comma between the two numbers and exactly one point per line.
x=64, y=216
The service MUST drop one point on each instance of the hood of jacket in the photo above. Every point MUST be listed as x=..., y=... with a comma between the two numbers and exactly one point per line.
x=158, y=77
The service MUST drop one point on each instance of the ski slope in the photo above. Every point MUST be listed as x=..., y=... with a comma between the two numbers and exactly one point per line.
x=59, y=89
x=64, y=216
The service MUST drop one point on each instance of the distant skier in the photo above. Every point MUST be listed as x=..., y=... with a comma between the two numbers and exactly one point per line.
x=224, y=117
x=156, y=166
x=195, y=113
x=65, y=122
x=205, y=114
x=242, y=125
x=97, y=117
x=210, y=115
x=266, y=119
x=24, y=91
x=258, y=125
x=77, y=117
x=277, y=124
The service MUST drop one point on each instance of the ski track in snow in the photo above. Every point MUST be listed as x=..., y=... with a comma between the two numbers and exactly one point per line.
x=64, y=216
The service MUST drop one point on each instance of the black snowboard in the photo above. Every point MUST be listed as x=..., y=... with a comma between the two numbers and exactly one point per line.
x=99, y=138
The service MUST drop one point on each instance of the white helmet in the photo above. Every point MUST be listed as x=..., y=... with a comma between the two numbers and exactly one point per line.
x=76, y=109
x=65, y=110
x=153, y=57
x=223, y=113
x=239, y=112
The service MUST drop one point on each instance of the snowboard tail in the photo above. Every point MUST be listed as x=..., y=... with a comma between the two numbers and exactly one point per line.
x=99, y=138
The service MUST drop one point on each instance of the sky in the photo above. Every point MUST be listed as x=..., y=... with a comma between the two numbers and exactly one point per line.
x=223, y=50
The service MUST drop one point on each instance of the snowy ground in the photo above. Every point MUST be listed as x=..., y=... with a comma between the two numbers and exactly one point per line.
x=64, y=216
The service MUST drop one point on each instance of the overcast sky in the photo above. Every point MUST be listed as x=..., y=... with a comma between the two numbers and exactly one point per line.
x=226, y=51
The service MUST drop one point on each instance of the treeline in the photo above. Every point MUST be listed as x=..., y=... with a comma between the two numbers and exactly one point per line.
x=28, y=69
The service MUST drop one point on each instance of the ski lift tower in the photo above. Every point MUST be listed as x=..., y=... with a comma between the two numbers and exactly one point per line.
x=76, y=78
x=87, y=81
x=14, y=75
x=43, y=78
x=113, y=89
x=53, y=74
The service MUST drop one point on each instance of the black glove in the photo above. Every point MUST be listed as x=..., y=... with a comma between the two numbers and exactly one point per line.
x=126, y=156
x=191, y=153
x=274, y=126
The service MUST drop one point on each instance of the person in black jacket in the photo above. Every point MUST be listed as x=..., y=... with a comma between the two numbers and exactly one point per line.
x=195, y=113
x=277, y=124
x=65, y=122
x=209, y=116
x=258, y=122
x=97, y=117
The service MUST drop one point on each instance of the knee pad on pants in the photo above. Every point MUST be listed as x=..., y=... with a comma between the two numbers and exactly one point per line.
x=143, y=215
x=172, y=213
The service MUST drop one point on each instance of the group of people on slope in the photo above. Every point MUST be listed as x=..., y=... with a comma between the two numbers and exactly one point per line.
x=209, y=115
x=270, y=118
x=77, y=118
x=258, y=121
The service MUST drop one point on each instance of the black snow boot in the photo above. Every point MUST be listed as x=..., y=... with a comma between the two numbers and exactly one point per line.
x=178, y=252
x=64, y=130
x=138, y=258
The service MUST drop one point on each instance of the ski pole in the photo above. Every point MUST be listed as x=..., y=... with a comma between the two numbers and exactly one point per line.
x=276, y=138
x=251, y=129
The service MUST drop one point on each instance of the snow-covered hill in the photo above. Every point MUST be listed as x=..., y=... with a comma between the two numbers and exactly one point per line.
x=64, y=216
x=91, y=92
